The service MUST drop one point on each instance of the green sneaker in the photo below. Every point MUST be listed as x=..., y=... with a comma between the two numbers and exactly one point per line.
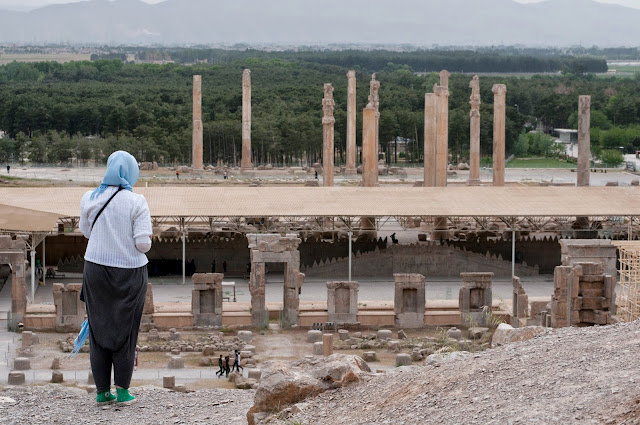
x=124, y=398
x=105, y=398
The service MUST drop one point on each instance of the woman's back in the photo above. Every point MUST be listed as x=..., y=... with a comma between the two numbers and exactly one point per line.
x=123, y=223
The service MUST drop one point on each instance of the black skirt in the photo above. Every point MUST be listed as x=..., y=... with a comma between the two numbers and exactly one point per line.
x=115, y=299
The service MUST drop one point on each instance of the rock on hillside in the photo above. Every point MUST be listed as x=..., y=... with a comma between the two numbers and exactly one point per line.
x=570, y=375
x=283, y=384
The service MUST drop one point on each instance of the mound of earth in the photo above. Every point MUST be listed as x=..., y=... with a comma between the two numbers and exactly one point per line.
x=569, y=375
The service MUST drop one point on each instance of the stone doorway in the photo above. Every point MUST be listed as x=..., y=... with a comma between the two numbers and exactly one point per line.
x=274, y=248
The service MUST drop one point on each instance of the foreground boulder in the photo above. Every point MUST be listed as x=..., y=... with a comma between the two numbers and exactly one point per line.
x=506, y=334
x=283, y=384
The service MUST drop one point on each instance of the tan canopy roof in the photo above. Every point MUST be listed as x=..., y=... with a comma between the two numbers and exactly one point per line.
x=26, y=220
x=33, y=203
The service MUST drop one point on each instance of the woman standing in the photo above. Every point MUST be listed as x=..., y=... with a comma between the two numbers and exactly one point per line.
x=114, y=284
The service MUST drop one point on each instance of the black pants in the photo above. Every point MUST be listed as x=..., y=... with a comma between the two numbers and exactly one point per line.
x=115, y=299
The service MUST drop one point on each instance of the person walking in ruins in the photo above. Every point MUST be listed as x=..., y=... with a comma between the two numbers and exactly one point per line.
x=177, y=174
x=117, y=223
x=8, y=169
x=236, y=362
x=227, y=368
x=221, y=368
x=213, y=266
x=224, y=266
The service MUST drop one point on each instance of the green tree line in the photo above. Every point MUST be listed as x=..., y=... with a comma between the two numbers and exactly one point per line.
x=52, y=112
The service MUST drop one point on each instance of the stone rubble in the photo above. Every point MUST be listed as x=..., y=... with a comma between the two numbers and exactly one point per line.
x=570, y=375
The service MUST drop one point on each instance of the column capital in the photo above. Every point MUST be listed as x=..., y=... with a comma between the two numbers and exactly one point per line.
x=351, y=74
x=444, y=78
x=499, y=89
x=585, y=104
x=440, y=91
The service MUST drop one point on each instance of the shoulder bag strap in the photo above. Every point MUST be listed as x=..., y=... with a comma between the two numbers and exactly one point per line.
x=104, y=206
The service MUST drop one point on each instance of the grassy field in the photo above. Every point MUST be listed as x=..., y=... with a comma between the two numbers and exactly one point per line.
x=6, y=58
x=624, y=68
x=540, y=163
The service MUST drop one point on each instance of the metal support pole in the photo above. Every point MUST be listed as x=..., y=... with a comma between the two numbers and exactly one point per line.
x=184, y=253
x=33, y=274
x=513, y=254
x=44, y=263
x=350, y=234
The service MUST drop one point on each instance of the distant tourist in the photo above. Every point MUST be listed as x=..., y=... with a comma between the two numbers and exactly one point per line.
x=225, y=176
x=236, y=362
x=8, y=169
x=221, y=369
x=227, y=368
x=177, y=174
x=114, y=284
x=213, y=266
x=224, y=266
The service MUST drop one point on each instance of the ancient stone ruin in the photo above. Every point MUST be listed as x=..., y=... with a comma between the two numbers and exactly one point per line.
x=70, y=311
x=409, y=300
x=583, y=295
x=575, y=251
x=475, y=298
x=274, y=248
x=520, y=304
x=12, y=252
x=206, y=299
x=342, y=302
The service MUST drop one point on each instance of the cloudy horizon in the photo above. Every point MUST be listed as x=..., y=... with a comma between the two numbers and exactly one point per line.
x=27, y=5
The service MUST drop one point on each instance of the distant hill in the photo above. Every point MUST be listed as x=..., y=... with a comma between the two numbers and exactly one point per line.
x=295, y=22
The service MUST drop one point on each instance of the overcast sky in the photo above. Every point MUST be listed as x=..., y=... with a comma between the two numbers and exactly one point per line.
x=32, y=4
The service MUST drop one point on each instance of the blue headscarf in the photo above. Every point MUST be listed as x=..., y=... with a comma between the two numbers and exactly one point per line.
x=122, y=170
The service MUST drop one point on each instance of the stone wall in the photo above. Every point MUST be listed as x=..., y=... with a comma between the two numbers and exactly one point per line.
x=543, y=252
x=427, y=259
x=575, y=251
x=204, y=249
x=583, y=295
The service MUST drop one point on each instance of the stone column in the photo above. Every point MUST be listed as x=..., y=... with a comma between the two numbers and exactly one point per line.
x=374, y=102
x=328, y=121
x=584, y=140
x=246, y=121
x=369, y=158
x=499, y=109
x=429, y=140
x=351, y=125
x=196, y=140
x=442, y=134
x=474, y=146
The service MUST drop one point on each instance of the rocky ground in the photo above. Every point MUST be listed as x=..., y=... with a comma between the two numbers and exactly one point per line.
x=571, y=375
x=70, y=405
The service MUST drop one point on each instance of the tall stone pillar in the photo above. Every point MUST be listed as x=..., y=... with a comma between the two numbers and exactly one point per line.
x=584, y=140
x=499, y=117
x=430, y=140
x=351, y=124
x=246, y=121
x=442, y=134
x=474, y=147
x=327, y=135
x=196, y=139
x=374, y=101
x=369, y=158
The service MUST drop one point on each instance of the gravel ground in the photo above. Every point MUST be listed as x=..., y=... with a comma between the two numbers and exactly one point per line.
x=570, y=375
x=59, y=404
x=564, y=376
